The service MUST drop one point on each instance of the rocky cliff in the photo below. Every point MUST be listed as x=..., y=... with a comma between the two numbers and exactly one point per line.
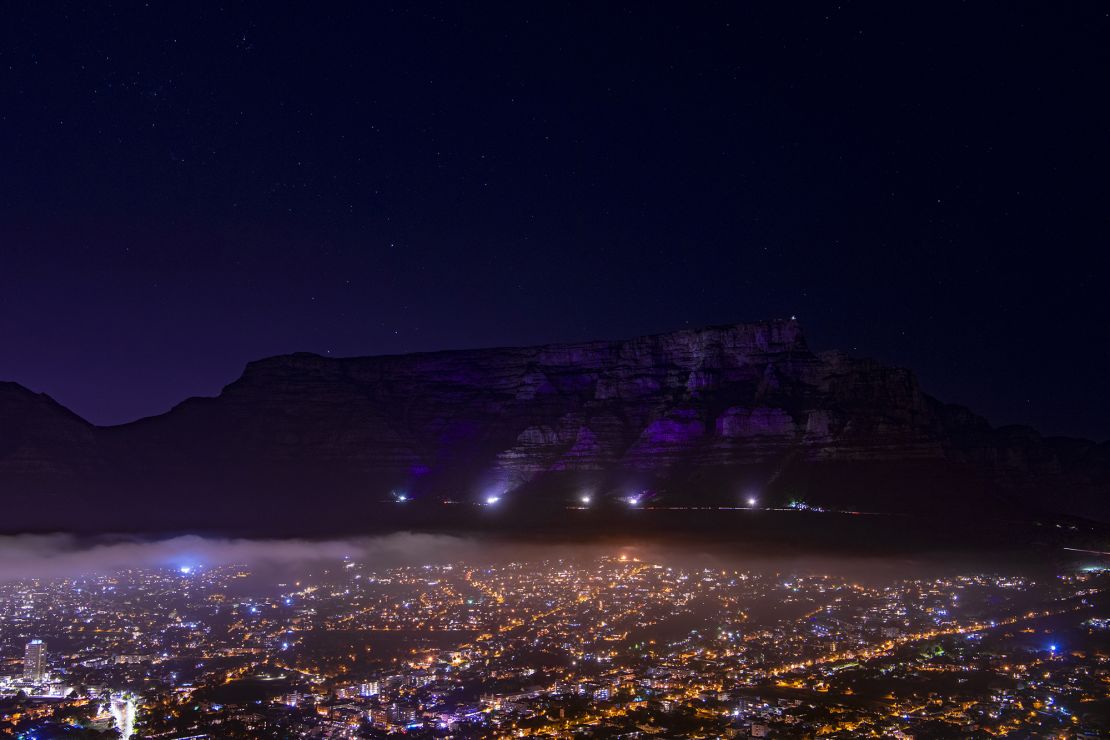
x=701, y=416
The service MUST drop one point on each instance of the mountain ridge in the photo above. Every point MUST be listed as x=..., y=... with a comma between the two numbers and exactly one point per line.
x=693, y=416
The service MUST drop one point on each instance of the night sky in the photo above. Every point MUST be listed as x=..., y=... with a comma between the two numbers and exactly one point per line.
x=185, y=187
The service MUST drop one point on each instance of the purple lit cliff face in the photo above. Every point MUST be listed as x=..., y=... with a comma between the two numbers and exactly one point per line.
x=680, y=429
x=692, y=415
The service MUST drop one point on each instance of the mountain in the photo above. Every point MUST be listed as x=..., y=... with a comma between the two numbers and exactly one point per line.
x=700, y=417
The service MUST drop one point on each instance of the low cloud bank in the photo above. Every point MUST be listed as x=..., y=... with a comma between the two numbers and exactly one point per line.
x=64, y=556
x=25, y=557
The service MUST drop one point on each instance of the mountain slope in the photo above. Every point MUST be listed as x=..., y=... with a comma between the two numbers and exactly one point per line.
x=701, y=416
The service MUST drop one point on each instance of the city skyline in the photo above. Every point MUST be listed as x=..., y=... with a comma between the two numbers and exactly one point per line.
x=595, y=642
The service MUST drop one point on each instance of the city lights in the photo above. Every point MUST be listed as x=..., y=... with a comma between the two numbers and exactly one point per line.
x=607, y=619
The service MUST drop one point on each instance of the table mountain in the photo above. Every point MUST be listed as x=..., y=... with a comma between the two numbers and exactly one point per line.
x=698, y=417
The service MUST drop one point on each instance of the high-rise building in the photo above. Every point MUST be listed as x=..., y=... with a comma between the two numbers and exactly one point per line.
x=34, y=661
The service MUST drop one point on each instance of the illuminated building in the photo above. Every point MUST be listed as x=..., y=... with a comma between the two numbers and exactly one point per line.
x=34, y=661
